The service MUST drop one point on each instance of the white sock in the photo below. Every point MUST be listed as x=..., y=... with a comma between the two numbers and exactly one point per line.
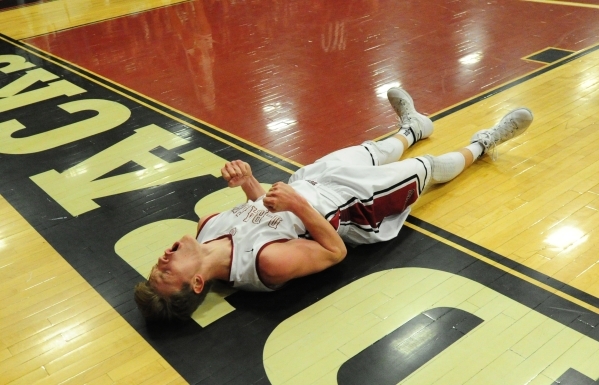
x=408, y=134
x=447, y=166
x=476, y=149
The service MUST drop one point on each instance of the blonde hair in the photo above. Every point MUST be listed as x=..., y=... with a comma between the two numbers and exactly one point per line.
x=179, y=305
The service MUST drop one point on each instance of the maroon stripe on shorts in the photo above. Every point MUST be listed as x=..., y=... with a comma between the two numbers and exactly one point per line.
x=369, y=213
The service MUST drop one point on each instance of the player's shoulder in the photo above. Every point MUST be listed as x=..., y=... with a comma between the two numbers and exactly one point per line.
x=202, y=222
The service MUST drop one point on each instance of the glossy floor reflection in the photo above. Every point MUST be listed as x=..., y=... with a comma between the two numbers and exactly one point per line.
x=285, y=75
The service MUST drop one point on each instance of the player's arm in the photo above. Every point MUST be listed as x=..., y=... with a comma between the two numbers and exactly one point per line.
x=239, y=174
x=281, y=262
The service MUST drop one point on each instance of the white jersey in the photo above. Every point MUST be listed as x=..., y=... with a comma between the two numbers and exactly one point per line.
x=250, y=227
x=364, y=197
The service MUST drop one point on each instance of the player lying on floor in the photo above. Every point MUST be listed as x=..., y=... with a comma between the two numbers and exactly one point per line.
x=361, y=194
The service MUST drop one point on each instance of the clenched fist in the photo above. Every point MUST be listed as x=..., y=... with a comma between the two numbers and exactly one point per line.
x=236, y=173
x=282, y=197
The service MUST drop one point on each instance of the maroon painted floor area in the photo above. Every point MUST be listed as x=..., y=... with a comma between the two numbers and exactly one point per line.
x=301, y=77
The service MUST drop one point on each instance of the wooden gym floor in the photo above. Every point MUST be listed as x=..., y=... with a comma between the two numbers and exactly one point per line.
x=115, y=118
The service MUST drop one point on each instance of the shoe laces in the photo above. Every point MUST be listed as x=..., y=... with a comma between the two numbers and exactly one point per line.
x=505, y=130
x=510, y=128
x=492, y=146
x=406, y=122
x=406, y=118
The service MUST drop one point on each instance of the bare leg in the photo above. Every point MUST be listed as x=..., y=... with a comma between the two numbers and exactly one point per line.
x=468, y=156
x=402, y=138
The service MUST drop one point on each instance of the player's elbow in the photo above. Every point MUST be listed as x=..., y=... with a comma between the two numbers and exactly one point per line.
x=339, y=253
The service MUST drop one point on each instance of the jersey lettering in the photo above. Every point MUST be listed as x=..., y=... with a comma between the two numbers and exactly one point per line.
x=275, y=221
x=241, y=209
x=251, y=214
x=259, y=216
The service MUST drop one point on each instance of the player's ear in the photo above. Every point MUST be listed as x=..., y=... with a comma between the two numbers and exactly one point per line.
x=197, y=283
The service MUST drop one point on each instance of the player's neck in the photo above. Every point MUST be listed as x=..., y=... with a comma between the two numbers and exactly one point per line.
x=216, y=259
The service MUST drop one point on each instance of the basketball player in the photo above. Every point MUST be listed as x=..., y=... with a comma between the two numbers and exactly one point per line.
x=358, y=195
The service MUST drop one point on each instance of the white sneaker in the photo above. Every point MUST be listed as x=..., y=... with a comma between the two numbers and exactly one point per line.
x=411, y=122
x=510, y=126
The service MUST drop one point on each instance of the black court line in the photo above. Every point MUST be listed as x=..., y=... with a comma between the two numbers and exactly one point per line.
x=507, y=262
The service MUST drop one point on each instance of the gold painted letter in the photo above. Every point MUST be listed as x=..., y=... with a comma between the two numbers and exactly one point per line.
x=110, y=115
x=15, y=63
x=55, y=89
x=314, y=343
x=30, y=78
x=76, y=188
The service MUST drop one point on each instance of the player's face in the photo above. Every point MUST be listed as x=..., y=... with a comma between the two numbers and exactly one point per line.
x=177, y=265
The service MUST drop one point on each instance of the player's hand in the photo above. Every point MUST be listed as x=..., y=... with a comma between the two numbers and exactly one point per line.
x=236, y=173
x=282, y=197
